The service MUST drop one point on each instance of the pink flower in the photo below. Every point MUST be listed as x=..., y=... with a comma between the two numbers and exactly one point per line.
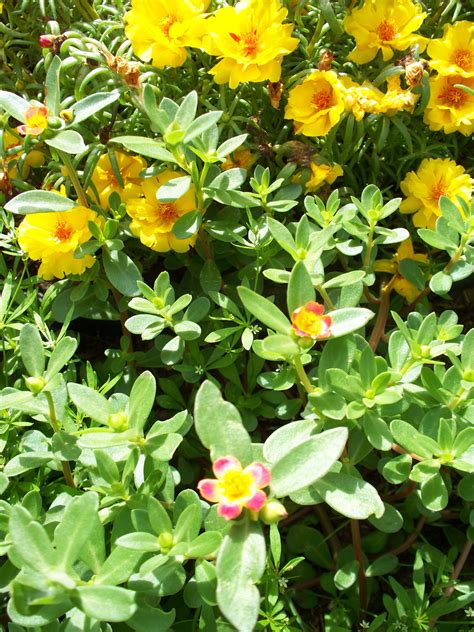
x=46, y=41
x=36, y=121
x=308, y=321
x=235, y=488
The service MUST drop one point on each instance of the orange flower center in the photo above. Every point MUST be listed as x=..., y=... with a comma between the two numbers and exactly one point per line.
x=308, y=322
x=321, y=99
x=463, y=58
x=249, y=41
x=166, y=24
x=168, y=212
x=439, y=189
x=63, y=230
x=454, y=97
x=386, y=31
x=236, y=485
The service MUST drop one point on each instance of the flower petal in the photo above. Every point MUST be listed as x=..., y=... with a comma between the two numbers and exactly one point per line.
x=229, y=511
x=208, y=488
x=260, y=474
x=256, y=502
x=225, y=463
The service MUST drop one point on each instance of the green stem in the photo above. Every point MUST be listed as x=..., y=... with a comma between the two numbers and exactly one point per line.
x=72, y=173
x=301, y=373
x=56, y=427
x=326, y=298
x=357, y=544
x=368, y=252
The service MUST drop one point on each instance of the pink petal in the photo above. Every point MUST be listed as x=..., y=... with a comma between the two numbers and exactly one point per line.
x=208, y=488
x=22, y=129
x=257, y=501
x=314, y=307
x=225, y=463
x=326, y=322
x=229, y=511
x=299, y=332
x=260, y=474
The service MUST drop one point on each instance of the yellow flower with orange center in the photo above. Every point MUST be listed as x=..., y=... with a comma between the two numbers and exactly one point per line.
x=450, y=108
x=308, y=321
x=322, y=174
x=402, y=286
x=240, y=159
x=53, y=238
x=251, y=40
x=384, y=25
x=434, y=177
x=105, y=178
x=317, y=104
x=36, y=121
x=453, y=54
x=153, y=221
x=160, y=31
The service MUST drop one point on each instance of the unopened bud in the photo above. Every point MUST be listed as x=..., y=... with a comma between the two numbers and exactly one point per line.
x=166, y=541
x=35, y=384
x=118, y=421
x=325, y=60
x=46, y=41
x=273, y=512
x=67, y=115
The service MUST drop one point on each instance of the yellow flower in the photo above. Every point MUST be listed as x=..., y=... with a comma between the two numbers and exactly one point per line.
x=240, y=159
x=54, y=237
x=106, y=182
x=250, y=39
x=435, y=177
x=361, y=99
x=385, y=25
x=152, y=221
x=450, y=109
x=34, y=158
x=161, y=30
x=317, y=104
x=321, y=174
x=36, y=121
x=401, y=285
x=453, y=54
x=396, y=99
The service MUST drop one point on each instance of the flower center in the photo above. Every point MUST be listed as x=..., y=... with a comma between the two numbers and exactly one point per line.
x=439, y=189
x=386, y=31
x=168, y=212
x=166, y=23
x=455, y=97
x=63, y=230
x=249, y=41
x=309, y=322
x=463, y=58
x=236, y=485
x=321, y=100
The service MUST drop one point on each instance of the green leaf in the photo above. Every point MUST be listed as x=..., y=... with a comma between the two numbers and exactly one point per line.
x=240, y=564
x=187, y=225
x=300, y=287
x=230, y=145
x=346, y=576
x=350, y=496
x=188, y=524
x=62, y=353
x=187, y=110
x=412, y=440
x=90, y=402
x=390, y=522
x=31, y=541
x=437, y=240
x=39, y=202
x=204, y=545
x=349, y=319
x=145, y=147
x=142, y=399
x=308, y=461
x=228, y=180
x=285, y=438
x=397, y=470
x=106, y=603
x=88, y=106
x=434, y=494
x=32, y=351
x=219, y=425
x=173, y=189
x=377, y=431
x=52, y=87
x=140, y=541
x=383, y=565
x=201, y=124
x=283, y=236
x=68, y=141
x=264, y=310
x=158, y=516
x=14, y=105
x=75, y=527
x=121, y=272
x=450, y=211
x=441, y=283
x=343, y=280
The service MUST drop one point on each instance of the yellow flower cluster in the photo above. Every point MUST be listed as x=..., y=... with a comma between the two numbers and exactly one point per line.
x=53, y=238
x=249, y=39
x=451, y=108
x=318, y=103
x=435, y=177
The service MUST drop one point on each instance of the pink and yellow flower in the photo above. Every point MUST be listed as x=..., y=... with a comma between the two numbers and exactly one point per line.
x=308, y=321
x=36, y=121
x=235, y=488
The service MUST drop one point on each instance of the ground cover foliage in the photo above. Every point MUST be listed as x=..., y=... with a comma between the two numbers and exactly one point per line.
x=236, y=345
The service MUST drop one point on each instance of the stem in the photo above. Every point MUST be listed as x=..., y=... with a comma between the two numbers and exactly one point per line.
x=328, y=529
x=397, y=448
x=382, y=314
x=72, y=173
x=302, y=376
x=357, y=544
x=411, y=538
x=123, y=317
x=56, y=427
x=326, y=297
x=462, y=559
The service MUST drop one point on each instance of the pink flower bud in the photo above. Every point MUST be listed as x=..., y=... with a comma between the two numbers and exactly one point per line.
x=46, y=41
